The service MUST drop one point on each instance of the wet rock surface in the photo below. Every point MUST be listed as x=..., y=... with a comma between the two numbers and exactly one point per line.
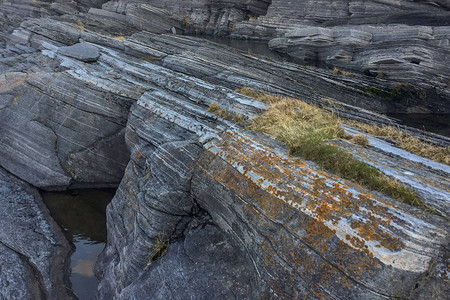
x=202, y=199
x=34, y=254
x=405, y=43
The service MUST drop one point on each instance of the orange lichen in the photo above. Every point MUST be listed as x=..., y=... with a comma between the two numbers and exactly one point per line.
x=276, y=187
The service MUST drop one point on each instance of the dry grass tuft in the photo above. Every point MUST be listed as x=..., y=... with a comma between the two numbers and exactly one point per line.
x=120, y=38
x=305, y=129
x=79, y=25
x=292, y=121
x=159, y=250
x=224, y=114
x=406, y=141
x=338, y=71
x=263, y=97
x=360, y=140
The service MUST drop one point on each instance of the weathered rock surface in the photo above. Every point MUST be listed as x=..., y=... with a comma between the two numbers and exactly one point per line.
x=211, y=190
x=403, y=42
x=81, y=51
x=305, y=233
x=415, y=55
x=34, y=254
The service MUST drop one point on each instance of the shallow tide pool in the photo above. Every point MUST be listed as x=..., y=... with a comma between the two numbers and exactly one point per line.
x=81, y=214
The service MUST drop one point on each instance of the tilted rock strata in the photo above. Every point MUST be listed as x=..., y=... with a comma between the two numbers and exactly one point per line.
x=297, y=231
x=303, y=232
x=401, y=41
x=34, y=254
x=416, y=55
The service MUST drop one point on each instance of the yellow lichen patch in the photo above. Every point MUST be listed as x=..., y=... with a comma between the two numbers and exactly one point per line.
x=120, y=38
x=9, y=81
x=278, y=187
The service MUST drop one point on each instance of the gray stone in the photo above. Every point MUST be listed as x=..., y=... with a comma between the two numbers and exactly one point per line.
x=34, y=254
x=202, y=265
x=139, y=115
x=286, y=219
x=81, y=51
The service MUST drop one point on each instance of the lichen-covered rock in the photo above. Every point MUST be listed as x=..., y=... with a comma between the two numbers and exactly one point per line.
x=286, y=227
x=305, y=233
x=34, y=254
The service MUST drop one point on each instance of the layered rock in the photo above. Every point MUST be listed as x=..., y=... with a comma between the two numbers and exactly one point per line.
x=199, y=16
x=303, y=232
x=203, y=199
x=413, y=56
x=34, y=255
x=402, y=41
x=405, y=42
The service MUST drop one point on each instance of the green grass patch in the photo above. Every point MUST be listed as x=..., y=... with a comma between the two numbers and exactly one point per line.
x=305, y=129
x=390, y=94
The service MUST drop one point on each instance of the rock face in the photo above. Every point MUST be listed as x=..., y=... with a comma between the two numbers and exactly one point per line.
x=34, y=254
x=81, y=51
x=409, y=55
x=405, y=43
x=199, y=16
x=206, y=209
x=304, y=233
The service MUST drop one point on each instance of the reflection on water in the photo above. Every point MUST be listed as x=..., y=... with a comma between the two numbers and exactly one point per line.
x=437, y=123
x=82, y=216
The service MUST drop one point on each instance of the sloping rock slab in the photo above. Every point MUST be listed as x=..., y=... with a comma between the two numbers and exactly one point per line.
x=34, y=254
x=81, y=51
x=306, y=234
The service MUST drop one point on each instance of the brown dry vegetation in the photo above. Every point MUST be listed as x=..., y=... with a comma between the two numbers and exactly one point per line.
x=406, y=141
x=224, y=114
x=159, y=249
x=120, y=38
x=360, y=140
x=338, y=71
x=305, y=129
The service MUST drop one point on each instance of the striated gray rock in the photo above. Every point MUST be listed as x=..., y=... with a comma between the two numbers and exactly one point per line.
x=43, y=133
x=206, y=209
x=34, y=254
x=305, y=233
x=81, y=51
x=202, y=266
x=200, y=262
x=405, y=43
x=414, y=56
x=199, y=16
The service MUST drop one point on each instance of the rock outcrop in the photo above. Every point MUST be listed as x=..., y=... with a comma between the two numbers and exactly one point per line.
x=401, y=41
x=34, y=254
x=405, y=43
x=303, y=233
x=206, y=208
